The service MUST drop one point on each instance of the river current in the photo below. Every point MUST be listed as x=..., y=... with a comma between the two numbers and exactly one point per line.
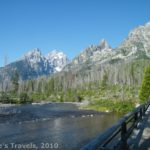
x=58, y=126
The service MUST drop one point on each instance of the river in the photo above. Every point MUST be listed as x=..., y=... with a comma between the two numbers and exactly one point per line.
x=58, y=126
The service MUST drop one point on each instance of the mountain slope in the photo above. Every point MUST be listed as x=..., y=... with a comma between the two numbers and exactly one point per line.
x=135, y=46
x=33, y=64
x=95, y=58
x=92, y=54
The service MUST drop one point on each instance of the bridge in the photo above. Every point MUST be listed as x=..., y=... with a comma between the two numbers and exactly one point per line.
x=132, y=132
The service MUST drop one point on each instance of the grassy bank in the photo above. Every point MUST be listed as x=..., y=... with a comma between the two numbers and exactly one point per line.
x=111, y=106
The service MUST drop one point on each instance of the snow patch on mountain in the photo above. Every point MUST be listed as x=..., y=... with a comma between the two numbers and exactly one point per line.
x=57, y=59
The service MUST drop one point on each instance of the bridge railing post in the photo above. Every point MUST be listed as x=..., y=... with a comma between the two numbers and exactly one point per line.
x=123, y=136
x=141, y=113
x=144, y=110
x=135, y=118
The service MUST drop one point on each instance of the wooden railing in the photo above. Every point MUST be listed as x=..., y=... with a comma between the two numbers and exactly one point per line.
x=116, y=137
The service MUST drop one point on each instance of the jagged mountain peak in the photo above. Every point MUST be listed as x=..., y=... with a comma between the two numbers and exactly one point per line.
x=34, y=64
x=33, y=52
x=58, y=59
x=55, y=53
x=104, y=44
x=93, y=53
x=34, y=56
x=137, y=44
x=147, y=24
x=142, y=30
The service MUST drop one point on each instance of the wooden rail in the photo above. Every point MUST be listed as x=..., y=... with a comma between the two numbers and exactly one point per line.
x=116, y=137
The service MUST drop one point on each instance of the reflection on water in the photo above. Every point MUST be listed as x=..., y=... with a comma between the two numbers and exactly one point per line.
x=50, y=124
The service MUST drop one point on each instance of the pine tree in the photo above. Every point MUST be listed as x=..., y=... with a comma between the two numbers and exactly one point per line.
x=15, y=82
x=144, y=93
x=104, y=81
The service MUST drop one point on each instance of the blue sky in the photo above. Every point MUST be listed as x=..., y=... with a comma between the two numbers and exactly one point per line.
x=67, y=25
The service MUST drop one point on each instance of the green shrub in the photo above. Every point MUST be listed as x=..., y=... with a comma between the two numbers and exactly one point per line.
x=24, y=98
x=144, y=93
x=112, y=105
x=5, y=98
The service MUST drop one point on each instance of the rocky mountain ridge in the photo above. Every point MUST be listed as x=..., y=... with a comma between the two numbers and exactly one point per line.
x=34, y=64
x=136, y=45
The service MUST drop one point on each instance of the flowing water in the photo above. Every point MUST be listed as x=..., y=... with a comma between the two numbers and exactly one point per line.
x=50, y=126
